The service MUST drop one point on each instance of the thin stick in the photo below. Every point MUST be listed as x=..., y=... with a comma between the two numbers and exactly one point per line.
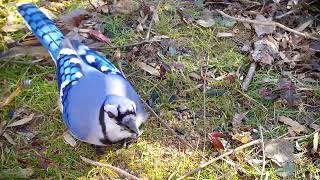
x=129, y=45
x=93, y=6
x=263, y=154
x=252, y=143
x=152, y=19
x=271, y=23
x=164, y=123
x=22, y=62
x=118, y=170
x=249, y=77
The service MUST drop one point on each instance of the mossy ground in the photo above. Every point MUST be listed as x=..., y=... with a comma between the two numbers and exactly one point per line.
x=157, y=154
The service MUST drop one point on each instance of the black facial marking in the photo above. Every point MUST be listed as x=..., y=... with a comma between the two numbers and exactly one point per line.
x=105, y=139
x=122, y=115
x=111, y=115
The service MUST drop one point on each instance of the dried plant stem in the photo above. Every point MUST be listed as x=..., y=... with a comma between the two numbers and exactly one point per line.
x=249, y=77
x=263, y=154
x=152, y=19
x=133, y=44
x=118, y=170
x=252, y=143
x=271, y=23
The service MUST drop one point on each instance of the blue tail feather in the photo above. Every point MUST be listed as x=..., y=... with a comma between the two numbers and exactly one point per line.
x=44, y=28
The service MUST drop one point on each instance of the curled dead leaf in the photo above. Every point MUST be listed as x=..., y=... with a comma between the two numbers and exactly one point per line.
x=296, y=127
x=149, y=69
x=22, y=121
x=215, y=140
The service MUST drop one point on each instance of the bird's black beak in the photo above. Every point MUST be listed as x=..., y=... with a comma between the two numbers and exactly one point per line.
x=132, y=126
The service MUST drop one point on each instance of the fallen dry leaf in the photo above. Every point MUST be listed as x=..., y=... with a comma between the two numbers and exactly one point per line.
x=123, y=6
x=296, y=127
x=149, y=69
x=237, y=119
x=263, y=29
x=69, y=139
x=265, y=50
x=22, y=121
x=243, y=137
x=281, y=151
x=206, y=19
x=9, y=138
x=215, y=140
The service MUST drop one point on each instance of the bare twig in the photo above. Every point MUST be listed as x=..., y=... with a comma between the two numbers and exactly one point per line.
x=250, y=74
x=164, y=123
x=118, y=170
x=263, y=154
x=93, y=6
x=271, y=23
x=252, y=143
x=152, y=19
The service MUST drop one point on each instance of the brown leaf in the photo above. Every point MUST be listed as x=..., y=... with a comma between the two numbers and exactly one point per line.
x=117, y=55
x=214, y=138
x=184, y=16
x=263, y=29
x=296, y=127
x=267, y=94
x=73, y=19
x=124, y=6
x=265, y=51
x=22, y=121
x=237, y=119
x=149, y=69
x=99, y=36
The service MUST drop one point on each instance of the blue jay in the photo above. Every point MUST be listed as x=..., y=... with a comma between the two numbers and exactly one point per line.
x=99, y=106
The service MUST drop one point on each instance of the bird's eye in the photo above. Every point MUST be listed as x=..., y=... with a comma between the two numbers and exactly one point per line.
x=111, y=115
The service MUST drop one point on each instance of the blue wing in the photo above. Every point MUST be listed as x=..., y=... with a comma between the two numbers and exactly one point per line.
x=92, y=58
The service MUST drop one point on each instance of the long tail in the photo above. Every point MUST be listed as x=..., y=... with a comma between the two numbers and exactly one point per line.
x=43, y=27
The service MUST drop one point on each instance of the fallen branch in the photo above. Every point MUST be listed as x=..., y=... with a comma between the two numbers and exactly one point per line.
x=118, y=170
x=252, y=143
x=249, y=76
x=272, y=23
x=152, y=19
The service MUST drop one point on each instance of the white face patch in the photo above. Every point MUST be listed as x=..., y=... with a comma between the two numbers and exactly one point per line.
x=111, y=108
x=127, y=106
x=90, y=58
